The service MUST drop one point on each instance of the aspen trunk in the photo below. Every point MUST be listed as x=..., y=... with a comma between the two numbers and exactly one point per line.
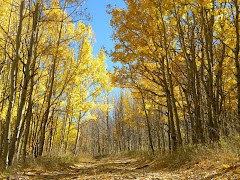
x=236, y=52
x=49, y=97
x=147, y=122
x=18, y=123
x=12, y=87
x=208, y=35
x=64, y=129
x=30, y=103
x=78, y=134
x=169, y=76
x=68, y=133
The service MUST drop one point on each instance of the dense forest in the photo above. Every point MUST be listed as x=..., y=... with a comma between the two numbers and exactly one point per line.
x=179, y=78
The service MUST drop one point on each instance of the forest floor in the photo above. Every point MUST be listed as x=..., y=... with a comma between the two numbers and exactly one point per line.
x=133, y=167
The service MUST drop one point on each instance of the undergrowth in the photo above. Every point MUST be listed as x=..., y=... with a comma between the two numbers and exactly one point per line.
x=47, y=162
x=227, y=151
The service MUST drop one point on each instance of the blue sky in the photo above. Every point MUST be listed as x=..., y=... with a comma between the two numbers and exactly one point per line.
x=100, y=23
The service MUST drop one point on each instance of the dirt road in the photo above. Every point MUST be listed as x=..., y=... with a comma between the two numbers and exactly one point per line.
x=126, y=169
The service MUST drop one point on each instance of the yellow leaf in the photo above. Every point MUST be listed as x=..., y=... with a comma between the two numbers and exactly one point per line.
x=237, y=171
x=236, y=176
x=225, y=166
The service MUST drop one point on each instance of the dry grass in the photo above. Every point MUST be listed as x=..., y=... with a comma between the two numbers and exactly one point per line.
x=50, y=162
x=226, y=152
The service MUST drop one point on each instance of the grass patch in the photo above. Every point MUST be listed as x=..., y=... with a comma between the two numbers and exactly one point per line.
x=46, y=163
x=176, y=159
x=225, y=152
x=133, y=154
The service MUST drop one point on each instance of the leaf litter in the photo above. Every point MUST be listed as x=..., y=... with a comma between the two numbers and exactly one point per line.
x=134, y=169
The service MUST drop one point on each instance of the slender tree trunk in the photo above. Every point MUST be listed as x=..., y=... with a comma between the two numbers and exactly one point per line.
x=68, y=133
x=236, y=52
x=173, y=101
x=78, y=134
x=12, y=88
x=49, y=97
x=18, y=123
x=30, y=102
x=64, y=125
x=147, y=122
x=208, y=35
